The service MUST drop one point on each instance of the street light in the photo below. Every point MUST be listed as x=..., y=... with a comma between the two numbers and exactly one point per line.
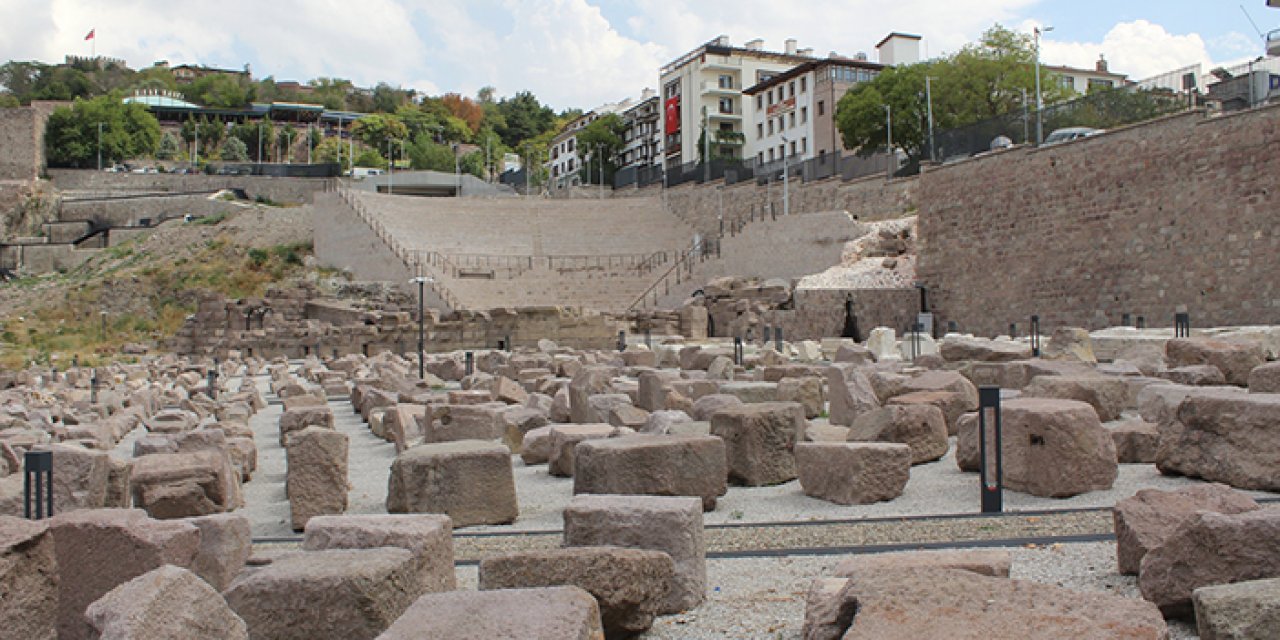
x=928, y=97
x=100, y=146
x=888, y=133
x=391, y=170
x=422, y=285
x=1039, y=96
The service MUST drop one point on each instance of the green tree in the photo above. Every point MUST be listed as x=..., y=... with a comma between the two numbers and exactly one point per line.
x=234, y=150
x=250, y=133
x=387, y=99
x=425, y=153
x=370, y=158
x=523, y=117
x=334, y=150
x=211, y=132
x=128, y=131
x=862, y=118
x=222, y=91
x=331, y=92
x=375, y=130
x=169, y=146
x=601, y=139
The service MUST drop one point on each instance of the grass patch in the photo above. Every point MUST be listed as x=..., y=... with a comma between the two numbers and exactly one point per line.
x=211, y=219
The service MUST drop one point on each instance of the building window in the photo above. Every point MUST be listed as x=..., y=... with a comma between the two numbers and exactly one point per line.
x=759, y=130
x=793, y=147
x=672, y=89
x=821, y=108
x=764, y=76
x=792, y=119
x=804, y=146
x=770, y=94
x=726, y=82
x=726, y=105
x=802, y=83
x=770, y=126
x=791, y=86
x=804, y=114
x=1067, y=82
x=760, y=158
x=1095, y=83
x=759, y=102
x=770, y=155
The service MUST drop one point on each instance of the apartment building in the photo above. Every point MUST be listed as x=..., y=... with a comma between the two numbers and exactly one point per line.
x=642, y=140
x=1082, y=81
x=565, y=158
x=704, y=88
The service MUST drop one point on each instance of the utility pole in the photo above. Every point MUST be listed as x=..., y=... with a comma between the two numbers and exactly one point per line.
x=600, y=152
x=1039, y=95
x=100, y=146
x=786, y=179
x=391, y=169
x=706, y=147
x=260, y=140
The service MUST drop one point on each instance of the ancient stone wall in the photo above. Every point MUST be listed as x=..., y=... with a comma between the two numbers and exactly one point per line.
x=1179, y=211
x=129, y=211
x=283, y=190
x=22, y=140
x=820, y=313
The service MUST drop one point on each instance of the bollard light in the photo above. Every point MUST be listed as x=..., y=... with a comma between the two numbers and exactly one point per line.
x=469, y=363
x=991, y=465
x=622, y=341
x=737, y=351
x=37, y=485
x=1035, y=336
x=1182, y=325
x=777, y=339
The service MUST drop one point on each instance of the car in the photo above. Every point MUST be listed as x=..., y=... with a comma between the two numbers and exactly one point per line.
x=1071, y=133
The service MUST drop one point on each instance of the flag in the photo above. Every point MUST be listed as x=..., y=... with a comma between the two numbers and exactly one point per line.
x=90, y=36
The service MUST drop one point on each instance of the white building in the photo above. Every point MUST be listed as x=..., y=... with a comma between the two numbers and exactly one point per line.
x=1082, y=81
x=565, y=159
x=642, y=140
x=704, y=88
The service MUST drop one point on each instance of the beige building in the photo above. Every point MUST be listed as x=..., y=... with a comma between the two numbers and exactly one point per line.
x=1082, y=81
x=704, y=88
x=793, y=114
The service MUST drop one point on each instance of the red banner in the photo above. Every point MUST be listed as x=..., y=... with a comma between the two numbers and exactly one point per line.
x=673, y=115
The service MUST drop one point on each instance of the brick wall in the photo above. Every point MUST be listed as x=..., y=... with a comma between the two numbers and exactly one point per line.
x=1179, y=211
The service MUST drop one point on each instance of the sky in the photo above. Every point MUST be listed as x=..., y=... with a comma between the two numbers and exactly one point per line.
x=584, y=53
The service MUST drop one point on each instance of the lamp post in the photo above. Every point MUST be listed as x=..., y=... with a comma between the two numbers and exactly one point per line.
x=888, y=136
x=457, y=173
x=928, y=98
x=259, y=144
x=391, y=170
x=100, y=146
x=422, y=285
x=600, y=161
x=786, y=179
x=1039, y=95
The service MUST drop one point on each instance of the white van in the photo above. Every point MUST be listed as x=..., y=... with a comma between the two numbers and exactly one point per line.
x=364, y=172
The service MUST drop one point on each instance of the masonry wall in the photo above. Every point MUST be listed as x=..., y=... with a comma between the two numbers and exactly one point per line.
x=1179, y=211
x=344, y=241
x=284, y=190
x=22, y=139
x=130, y=211
x=820, y=313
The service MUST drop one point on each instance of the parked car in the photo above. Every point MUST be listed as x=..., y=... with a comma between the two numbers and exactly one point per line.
x=1071, y=133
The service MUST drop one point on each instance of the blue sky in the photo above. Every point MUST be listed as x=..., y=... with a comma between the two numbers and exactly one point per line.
x=581, y=53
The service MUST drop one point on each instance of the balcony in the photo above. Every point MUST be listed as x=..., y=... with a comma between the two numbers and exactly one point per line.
x=1273, y=43
x=713, y=87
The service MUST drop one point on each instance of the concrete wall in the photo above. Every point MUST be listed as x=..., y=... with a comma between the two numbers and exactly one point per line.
x=1179, y=211
x=283, y=190
x=129, y=211
x=44, y=258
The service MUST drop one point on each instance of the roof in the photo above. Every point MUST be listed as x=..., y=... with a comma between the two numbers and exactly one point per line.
x=1081, y=71
x=897, y=34
x=713, y=47
x=809, y=66
x=160, y=101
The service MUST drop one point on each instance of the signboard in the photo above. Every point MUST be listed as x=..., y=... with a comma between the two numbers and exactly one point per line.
x=672, y=110
x=782, y=107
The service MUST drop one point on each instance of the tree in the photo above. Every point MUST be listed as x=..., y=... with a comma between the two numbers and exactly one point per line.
x=234, y=150
x=425, y=153
x=863, y=121
x=602, y=138
x=222, y=91
x=464, y=109
x=169, y=146
x=128, y=131
x=386, y=99
x=370, y=158
x=375, y=130
x=331, y=92
x=523, y=117
x=211, y=132
x=334, y=150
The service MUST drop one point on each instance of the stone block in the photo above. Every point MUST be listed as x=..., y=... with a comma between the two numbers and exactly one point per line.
x=565, y=439
x=546, y=613
x=984, y=562
x=1235, y=360
x=1247, y=610
x=428, y=537
x=957, y=349
x=922, y=427
x=672, y=525
x=1055, y=448
x=704, y=407
x=853, y=473
x=629, y=585
x=535, y=447
x=1224, y=438
x=589, y=381
x=225, y=545
x=166, y=603
x=952, y=404
x=181, y=485
x=759, y=440
x=850, y=393
x=807, y=391
x=452, y=422
x=99, y=549
x=1265, y=378
x=335, y=593
x=653, y=465
x=303, y=417
x=316, y=479
x=28, y=580
x=1107, y=395
x=1146, y=519
x=1136, y=441
x=469, y=480
x=516, y=422
x=1209, y=549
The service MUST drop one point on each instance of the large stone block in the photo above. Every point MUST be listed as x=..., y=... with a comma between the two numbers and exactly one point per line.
x=1235, y=360
x=1208, y=549
x=942, y=381
x=1265, y=378
x=225, y=545
x=1224, y=438
x=1106, y=394
x=428, y=537
x=302, y=417
x=470, y=481
x=453, y=422
x=81, y=480
x=986, y=562
x=564, y=442
x=629, y=585
x=808, y=391
x=853, y=473
x=99, y=549
x=952, y=404
x=1136, y=441
x=28, y=580
x=913, y=603
x=181, y=485
x=589, y=381
x=400, y=424
x=668, y=524
x=1247, y=610
x=1055, y=448
x=316, y=481
x=336, y=593
x=1146, y=519
x=957, y=348
x=516, y=422
x=922, y=427
x=653, y=465
x=547, y=613
x=759, y=440
x=850, y=393
x=167, y=603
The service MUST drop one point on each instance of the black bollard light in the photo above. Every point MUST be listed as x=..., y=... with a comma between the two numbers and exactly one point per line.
x=93, y=387
x=991, y=466
x=1035, y=336
x=213, y=383
x=37, y=485
x=777, y=339
x=768, y=335
x=916, y=345
x=648, y=338
x=1142, y=322
x=469, y=363
x=507, y=342
x=1013, y=329
x=1125, y=319
x=737, y=351
x=1182, y=325
x=622, y=341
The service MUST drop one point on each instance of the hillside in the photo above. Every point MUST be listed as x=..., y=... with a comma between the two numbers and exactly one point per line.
x=139, y=292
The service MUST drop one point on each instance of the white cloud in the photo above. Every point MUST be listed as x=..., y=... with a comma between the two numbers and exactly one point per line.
x=1139, y=49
